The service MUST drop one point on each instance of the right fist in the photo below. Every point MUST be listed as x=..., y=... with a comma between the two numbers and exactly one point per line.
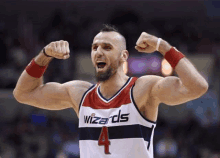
x=58, y=49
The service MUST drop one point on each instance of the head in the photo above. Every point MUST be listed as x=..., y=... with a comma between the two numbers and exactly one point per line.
x=108, y=53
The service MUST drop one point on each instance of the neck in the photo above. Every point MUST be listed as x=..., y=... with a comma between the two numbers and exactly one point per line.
x=109, y=87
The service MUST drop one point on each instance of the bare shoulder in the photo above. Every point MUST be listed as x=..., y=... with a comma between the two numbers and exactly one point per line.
x=78, y=84
x=148, y=80
x=143, y=87
x=145, y=101
x=76, y=89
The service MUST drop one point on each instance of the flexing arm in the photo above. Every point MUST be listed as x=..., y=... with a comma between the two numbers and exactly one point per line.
x=172, y=90
x=32, y=91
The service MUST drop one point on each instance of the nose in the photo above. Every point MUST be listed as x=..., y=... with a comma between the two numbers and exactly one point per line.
x=99, y=52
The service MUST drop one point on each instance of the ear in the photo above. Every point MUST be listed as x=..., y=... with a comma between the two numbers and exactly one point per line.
x=124, y=55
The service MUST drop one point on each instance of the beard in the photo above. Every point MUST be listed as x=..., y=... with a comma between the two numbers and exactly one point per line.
x=103, y=76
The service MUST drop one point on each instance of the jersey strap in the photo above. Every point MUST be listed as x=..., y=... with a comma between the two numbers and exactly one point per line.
x=95, y=100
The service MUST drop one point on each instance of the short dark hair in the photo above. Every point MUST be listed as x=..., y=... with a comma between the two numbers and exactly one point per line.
x=110, y=28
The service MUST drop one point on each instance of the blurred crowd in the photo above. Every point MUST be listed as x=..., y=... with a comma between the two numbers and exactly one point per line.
x=45, y=137
x=39, y=136
x=189, y=139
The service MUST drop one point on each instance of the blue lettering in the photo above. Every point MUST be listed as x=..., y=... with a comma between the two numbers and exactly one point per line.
x=114, y=119
x=86, y=119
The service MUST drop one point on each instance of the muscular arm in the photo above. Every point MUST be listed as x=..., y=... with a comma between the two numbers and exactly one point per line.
x=27, y=83
x=51, y=96
x=33, y=91
x=172, y=90
x=187, y=86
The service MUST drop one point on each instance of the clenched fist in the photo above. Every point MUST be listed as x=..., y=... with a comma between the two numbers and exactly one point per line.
x=58, y=49
x=147, y=43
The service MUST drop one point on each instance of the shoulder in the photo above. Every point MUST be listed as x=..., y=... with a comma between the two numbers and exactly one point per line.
x=142, y=93
x=147, y=80
x=143, y=86
x=78, y=84
x=76, y=90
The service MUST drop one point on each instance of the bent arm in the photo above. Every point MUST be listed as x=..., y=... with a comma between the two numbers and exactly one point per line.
x=50, y=96
x=32, y=91
x=27, y=83
x=187, y=86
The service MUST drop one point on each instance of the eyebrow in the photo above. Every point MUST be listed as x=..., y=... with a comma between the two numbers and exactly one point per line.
x=94, y=44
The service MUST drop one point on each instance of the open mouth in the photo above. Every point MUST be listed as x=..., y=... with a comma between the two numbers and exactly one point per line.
x=101, y=65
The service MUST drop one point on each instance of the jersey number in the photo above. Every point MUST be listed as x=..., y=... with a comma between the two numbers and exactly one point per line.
x=103, y=139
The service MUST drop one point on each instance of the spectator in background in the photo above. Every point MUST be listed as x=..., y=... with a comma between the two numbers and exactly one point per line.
x=10, y=71
x=167, y=147
x=206, y=109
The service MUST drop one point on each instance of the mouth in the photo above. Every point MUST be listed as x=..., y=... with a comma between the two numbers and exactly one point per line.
x=101, y=65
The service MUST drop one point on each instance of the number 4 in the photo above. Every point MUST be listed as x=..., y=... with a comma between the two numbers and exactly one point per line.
x=103, y=139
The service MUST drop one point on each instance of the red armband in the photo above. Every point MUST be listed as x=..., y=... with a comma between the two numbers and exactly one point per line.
x=173, y=56
x=35, y=70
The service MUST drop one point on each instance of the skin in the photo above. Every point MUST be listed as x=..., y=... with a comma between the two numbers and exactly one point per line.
x=101, y=46
x=149, y=91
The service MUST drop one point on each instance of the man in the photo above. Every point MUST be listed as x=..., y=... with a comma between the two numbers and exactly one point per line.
x=117, y=116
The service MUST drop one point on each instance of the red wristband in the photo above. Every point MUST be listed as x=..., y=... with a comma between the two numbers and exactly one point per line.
x=35, y=70
x=173, y=56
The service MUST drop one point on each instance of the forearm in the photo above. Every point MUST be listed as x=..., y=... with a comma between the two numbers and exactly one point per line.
x=185, y=70
x=190, y=77
x=27, y=83
x=42, y=60
x=172, y=90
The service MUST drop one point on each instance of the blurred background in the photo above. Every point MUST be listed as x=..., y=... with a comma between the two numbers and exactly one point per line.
x=190, y=130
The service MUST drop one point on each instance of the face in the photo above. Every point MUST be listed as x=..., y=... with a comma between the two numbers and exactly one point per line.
x=106, y=54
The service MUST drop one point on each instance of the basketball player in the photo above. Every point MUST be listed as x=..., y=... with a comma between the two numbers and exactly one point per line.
x=117, y=116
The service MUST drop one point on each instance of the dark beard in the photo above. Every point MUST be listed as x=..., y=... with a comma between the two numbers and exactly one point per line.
x=105, y=75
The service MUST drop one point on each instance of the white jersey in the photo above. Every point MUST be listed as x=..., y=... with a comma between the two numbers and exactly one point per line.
x=114, y=128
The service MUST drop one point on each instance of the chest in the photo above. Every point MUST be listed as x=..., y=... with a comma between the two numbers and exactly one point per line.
x=108, y=117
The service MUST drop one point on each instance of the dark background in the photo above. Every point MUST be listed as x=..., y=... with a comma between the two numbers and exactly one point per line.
x=189, y=130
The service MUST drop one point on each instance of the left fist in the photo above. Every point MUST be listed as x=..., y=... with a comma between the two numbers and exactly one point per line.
x=146, y=43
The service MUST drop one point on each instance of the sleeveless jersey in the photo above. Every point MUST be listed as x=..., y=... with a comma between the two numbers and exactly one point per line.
x=114, y=128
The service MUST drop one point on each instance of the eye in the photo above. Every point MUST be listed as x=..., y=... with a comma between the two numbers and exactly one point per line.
x=94, y=47
x=107, y=47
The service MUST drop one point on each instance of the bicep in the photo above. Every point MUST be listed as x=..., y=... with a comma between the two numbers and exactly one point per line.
x=171, y=91
x=51, y=96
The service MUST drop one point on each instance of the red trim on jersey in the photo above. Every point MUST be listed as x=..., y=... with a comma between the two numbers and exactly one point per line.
x=92, y=99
